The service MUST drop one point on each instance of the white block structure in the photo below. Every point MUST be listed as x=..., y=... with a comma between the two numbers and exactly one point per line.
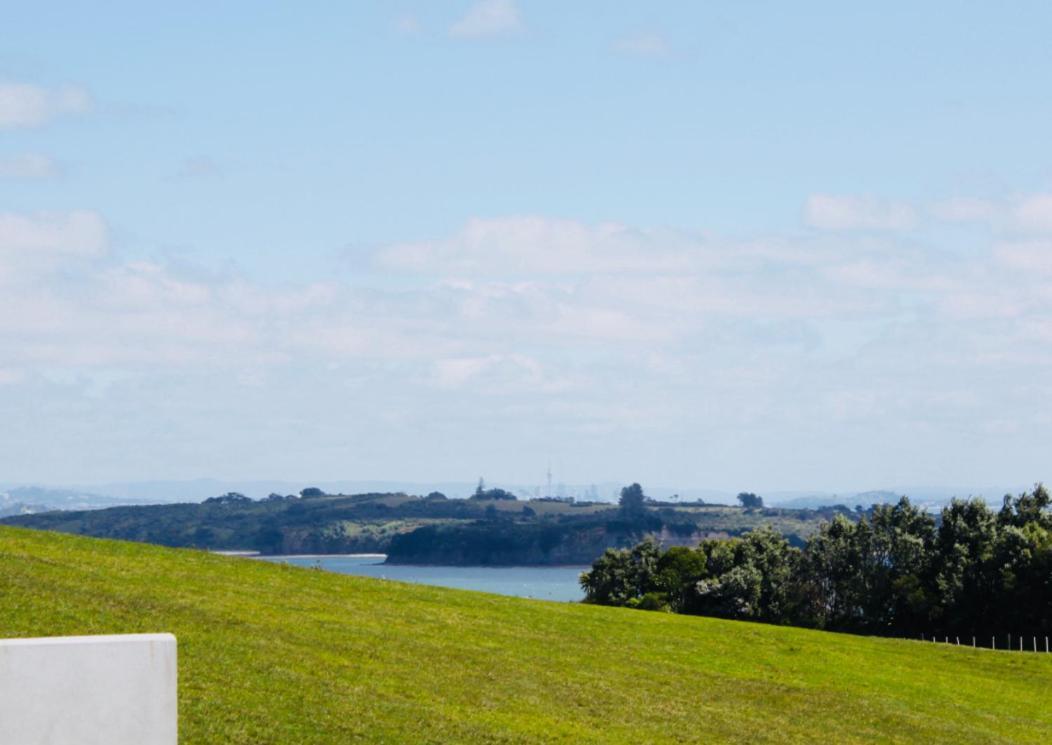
x=89, y=690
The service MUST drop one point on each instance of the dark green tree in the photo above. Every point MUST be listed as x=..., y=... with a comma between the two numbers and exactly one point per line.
x=622, y=576
x=747, y=577
x=750, y=501
x=966, y=581
x=632, y=500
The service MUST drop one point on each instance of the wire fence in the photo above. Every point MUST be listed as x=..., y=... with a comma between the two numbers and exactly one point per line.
x=1008, y=642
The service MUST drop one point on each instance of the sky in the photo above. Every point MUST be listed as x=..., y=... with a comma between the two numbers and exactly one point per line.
x=731, y=245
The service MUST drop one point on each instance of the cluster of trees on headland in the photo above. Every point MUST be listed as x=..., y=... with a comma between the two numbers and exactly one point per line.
x=897, y=571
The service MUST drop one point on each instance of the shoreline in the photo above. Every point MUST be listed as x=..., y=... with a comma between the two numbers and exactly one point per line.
x=318, y=556
x=494, y=566
x=422, y=566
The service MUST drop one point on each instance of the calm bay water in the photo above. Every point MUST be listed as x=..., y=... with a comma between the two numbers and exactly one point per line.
x=543, y=583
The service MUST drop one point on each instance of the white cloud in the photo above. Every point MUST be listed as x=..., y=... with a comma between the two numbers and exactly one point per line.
x=500, y=287
x=964, y=209
x=1022, y=214
x=488, y=18
x=28, y=166
x=454, y=372
x=1034, y=213
x=847, y=213
x=38, y=235
x=24, y=105
x=645, y=45
x=1026, y=256
x=529, y=245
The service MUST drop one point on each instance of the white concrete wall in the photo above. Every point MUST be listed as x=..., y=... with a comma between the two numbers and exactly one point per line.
x=88, y=690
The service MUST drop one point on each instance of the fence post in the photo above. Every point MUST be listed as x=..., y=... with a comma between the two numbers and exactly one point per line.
x=1020, y=642
x=973, y=642
x=1035, y=643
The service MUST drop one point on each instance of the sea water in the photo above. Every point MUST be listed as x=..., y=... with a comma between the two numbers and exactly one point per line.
x=543, y=583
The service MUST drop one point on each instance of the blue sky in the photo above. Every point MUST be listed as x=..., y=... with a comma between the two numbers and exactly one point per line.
x=728, y=245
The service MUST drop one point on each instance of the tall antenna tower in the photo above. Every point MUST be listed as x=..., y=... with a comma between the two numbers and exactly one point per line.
x=549, y=492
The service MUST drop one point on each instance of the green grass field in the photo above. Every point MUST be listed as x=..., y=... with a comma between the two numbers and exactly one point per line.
x=274, y=654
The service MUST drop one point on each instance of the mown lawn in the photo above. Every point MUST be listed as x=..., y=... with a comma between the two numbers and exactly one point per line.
x=270, y=653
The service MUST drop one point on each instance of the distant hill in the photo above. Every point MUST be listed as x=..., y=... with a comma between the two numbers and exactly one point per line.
x=27, y=500
x=931, y=498
x=274, y=654
x=814, y=501
x=196, y=490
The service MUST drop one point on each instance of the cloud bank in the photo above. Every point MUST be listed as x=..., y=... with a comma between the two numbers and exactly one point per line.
x=869, y=330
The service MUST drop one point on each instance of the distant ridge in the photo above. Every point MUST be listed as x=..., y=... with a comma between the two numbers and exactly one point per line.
x=26, y=500
x=865, y=499
x=38, y=497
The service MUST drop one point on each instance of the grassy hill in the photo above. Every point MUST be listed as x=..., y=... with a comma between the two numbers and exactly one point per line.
x=274, y=654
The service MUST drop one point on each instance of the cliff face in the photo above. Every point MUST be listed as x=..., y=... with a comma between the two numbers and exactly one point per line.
x=507, y=545
x=320, y=543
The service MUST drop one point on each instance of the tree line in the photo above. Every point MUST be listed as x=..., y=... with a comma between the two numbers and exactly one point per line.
x=896, y=571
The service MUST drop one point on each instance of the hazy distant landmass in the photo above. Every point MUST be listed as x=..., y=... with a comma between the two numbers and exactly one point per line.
x=108, y=494
x=928, y=497
x=197, y=490
x=812, y=501
x=25, y=500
